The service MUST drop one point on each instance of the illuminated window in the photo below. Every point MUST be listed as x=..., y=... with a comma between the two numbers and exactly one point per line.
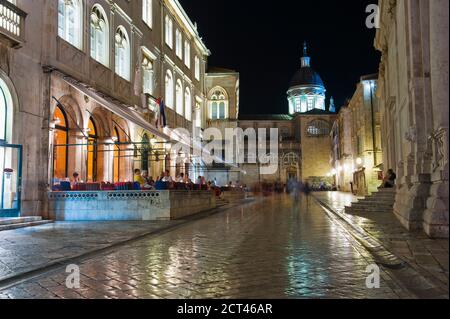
x=318, y=128
x=179, y=44
x=218, y=105
x=197, y=68
x=92, y=152
x=122, y=53
x=187, y=54
x=60, y=141
x=169, y=89
x=310, y=102
x=147, y=12
x=147, y=75
x=70, y=21
x=99, y=35
x=179, y=97
x=188, y=104
x=169, y=32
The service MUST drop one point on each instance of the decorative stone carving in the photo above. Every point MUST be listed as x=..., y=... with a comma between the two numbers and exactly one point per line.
x=411, y=135
x=440, y=145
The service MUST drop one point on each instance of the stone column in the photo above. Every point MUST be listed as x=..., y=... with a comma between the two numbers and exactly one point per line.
x=435, y=218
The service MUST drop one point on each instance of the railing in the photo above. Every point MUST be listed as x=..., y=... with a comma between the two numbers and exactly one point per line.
x=12, y=23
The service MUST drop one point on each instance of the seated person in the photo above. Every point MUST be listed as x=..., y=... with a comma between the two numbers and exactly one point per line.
x=138, y=177
x=389, y=180
x=75, y=179
x=180, y=178
x=166, y=177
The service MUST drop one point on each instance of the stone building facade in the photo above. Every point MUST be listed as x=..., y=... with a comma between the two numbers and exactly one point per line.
x=304, y=145
x=79, y=86
x=414, y=106
x=358, y=154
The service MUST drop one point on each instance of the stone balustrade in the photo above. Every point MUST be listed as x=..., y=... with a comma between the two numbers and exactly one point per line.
x=12, y=23
x=128, y=205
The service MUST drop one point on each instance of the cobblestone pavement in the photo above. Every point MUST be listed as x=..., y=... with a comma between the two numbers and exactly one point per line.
x=26, y=249
x=428, y=256
x=270, y=248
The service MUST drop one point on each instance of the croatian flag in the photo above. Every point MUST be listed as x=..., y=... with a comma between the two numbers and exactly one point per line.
x=160, y=114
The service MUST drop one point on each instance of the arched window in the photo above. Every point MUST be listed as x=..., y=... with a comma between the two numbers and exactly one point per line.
x=60, y=141
x=92, y=152
x=117, y=154
x=169, y=31
x=122, y=48
x=188, y=104
x=70, y=21
x=5, y=112
x=169, y=89
x=99, y=35
x=179, y=95
x=147, y=75
x=218, y=105
x=318, y=128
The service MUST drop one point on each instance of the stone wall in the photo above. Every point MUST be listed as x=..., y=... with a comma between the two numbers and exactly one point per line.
x=414, y=104
x=128, y=205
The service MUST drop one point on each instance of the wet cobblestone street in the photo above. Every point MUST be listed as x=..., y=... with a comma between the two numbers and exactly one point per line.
x=271, y=248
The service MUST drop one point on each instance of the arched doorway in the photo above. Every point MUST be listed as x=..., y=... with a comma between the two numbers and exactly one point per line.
x=92, y=150
x=60, y=141
x=10, y=157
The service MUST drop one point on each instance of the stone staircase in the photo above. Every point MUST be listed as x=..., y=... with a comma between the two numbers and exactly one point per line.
x=382, y=201
x=21, y=222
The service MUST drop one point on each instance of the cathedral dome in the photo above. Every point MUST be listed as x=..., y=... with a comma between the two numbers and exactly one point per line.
x=307, y=91
x=306, y=76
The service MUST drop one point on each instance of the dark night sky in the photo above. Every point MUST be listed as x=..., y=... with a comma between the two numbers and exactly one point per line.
x=262, y=40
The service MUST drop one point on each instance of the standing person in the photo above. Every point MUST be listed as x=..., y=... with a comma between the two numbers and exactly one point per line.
x=307, y=191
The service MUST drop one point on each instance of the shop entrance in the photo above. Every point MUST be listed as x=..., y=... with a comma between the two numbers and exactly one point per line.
x=10, y=179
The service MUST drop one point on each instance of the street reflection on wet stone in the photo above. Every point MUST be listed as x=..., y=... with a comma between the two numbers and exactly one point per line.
x=269, y=248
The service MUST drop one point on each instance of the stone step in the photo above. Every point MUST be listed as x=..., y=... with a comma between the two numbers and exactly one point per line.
x=374, y=202
x=23, y=225
x=365, y=210
x=18, y=220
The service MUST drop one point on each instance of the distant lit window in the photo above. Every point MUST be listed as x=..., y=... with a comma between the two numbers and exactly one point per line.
x=122, y=48
x=147, y=75
x=179, y=98
x=169, y=31
x=70, y=21
x=318, y=128
x=99, y=35
x=187, y=53
x=147, y=12
x=197, y=68
x=179, y=44
x=310, y=102
x=218, y=104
